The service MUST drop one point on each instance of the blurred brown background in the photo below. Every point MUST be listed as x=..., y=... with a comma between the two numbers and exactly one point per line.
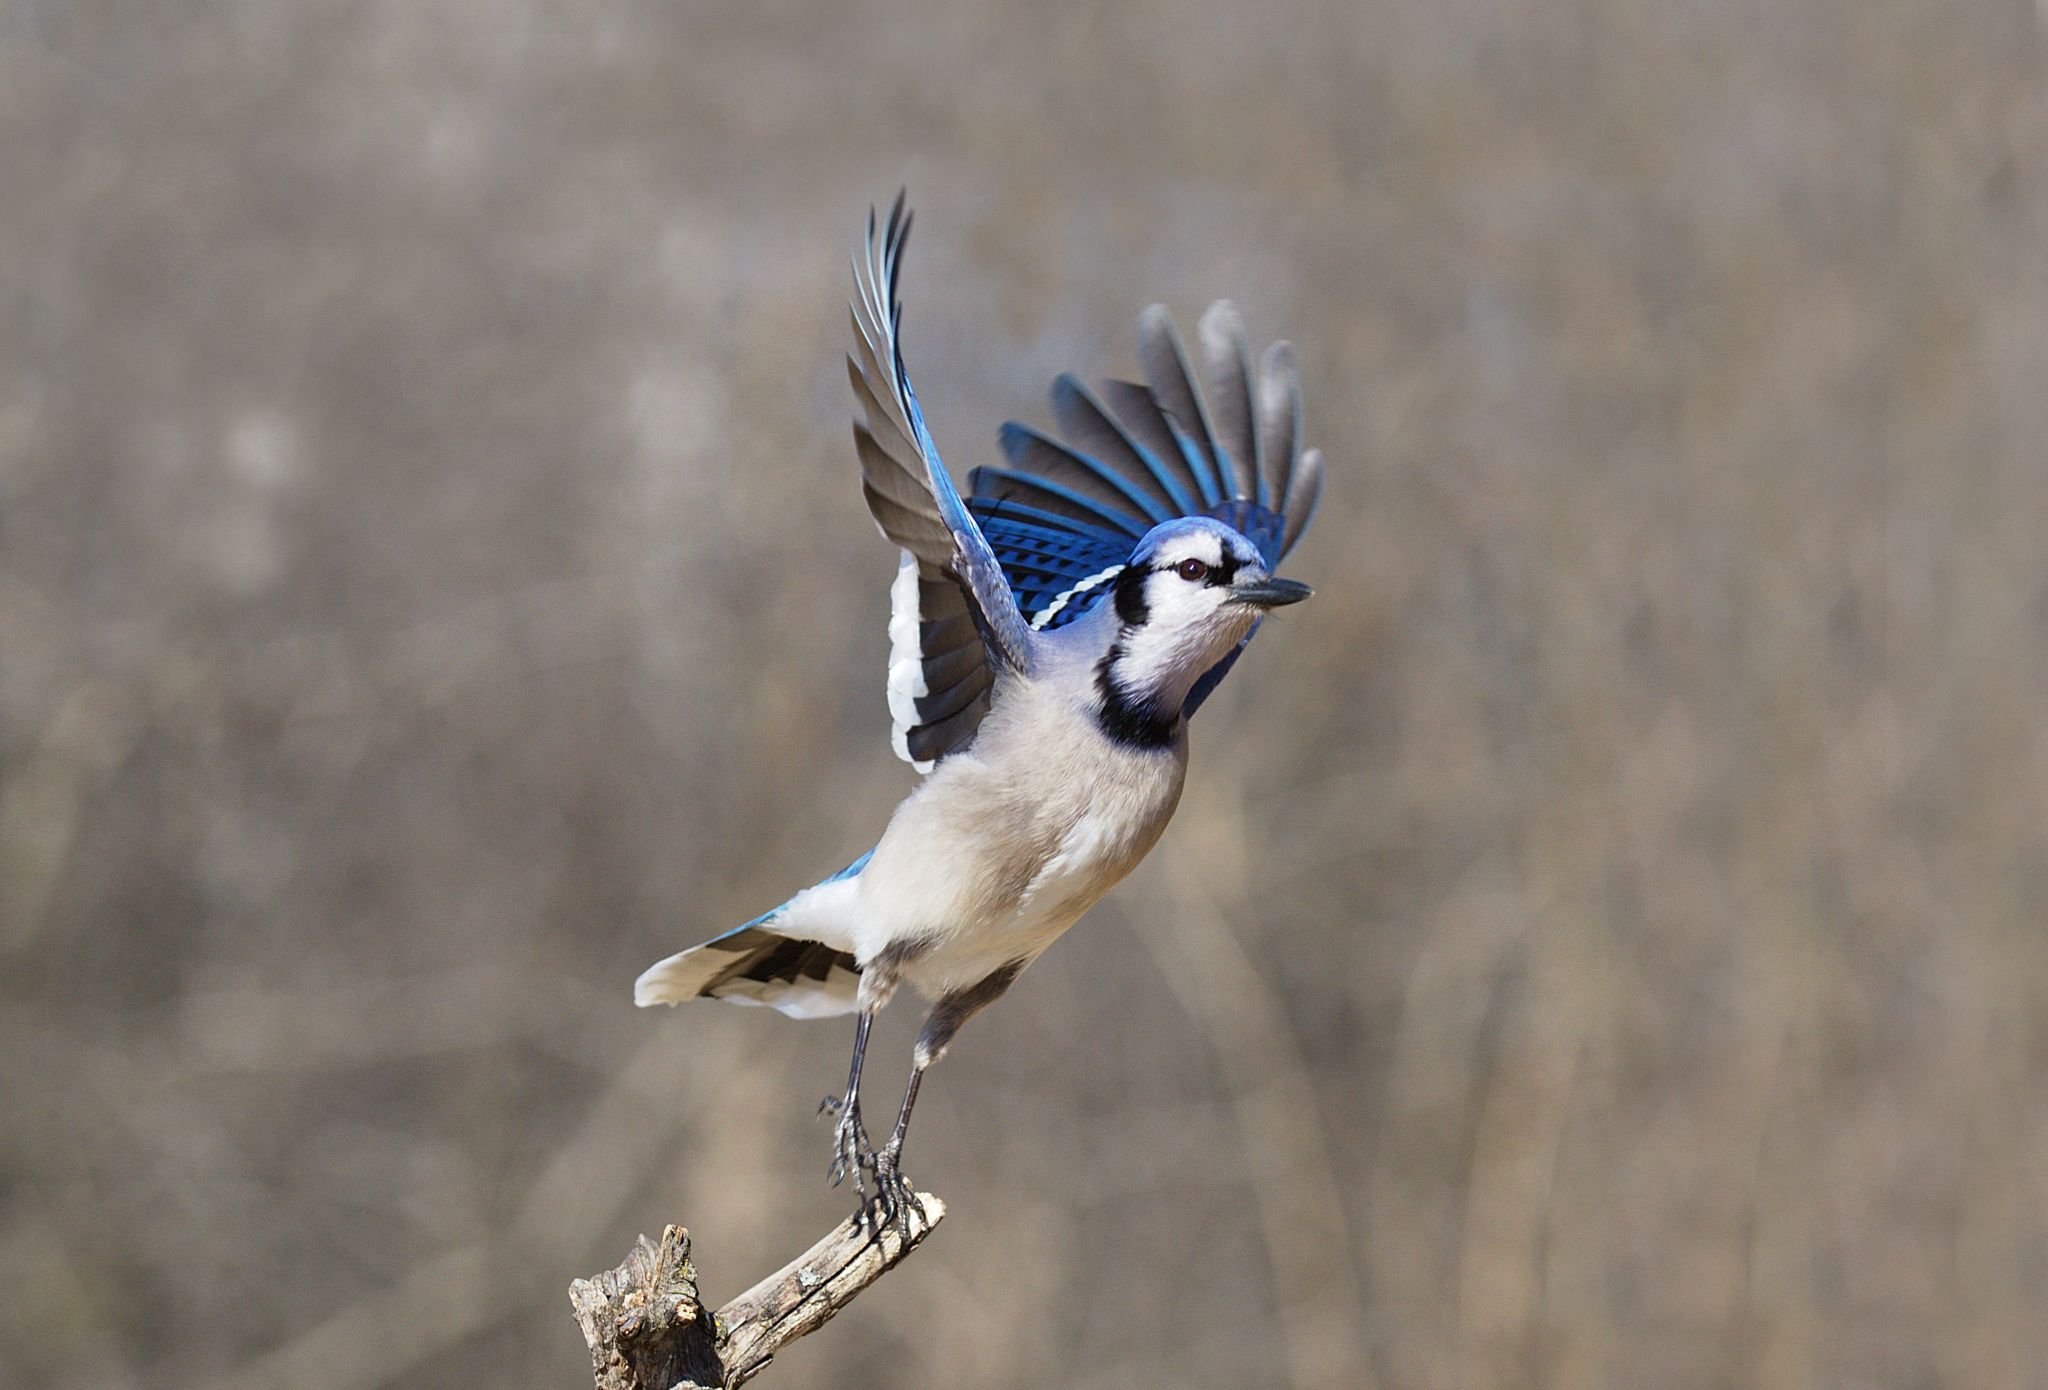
x=1602, y=943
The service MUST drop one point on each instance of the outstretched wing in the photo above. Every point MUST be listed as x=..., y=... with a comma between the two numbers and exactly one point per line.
x=952, y=622
x=1066, y=513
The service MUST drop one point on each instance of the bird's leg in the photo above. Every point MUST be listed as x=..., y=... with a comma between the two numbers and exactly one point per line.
x=893, y=1193
x=852, y=1152
x=894, y=1198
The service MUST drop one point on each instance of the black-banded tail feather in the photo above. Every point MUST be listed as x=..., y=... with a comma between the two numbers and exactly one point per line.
x=793, y=959
x=755, y=965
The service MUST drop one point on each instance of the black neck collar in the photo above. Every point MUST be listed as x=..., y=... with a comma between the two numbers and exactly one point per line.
x=1127, y=719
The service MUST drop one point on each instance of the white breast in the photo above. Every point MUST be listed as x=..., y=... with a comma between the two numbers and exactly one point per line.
x=1007, y=844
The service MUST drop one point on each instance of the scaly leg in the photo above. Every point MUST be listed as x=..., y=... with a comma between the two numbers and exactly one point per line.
x=852, y=1152
x=895, y=1199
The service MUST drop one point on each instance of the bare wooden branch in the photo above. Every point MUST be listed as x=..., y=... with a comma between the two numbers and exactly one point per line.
x=647, y=1331
x=802, y=1296
x=643, y=1323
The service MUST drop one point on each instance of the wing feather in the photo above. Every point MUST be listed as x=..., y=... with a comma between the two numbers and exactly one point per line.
x=946, y=703
x=1230, y=396
x=1141, y=417
x=1095, y=432
x=1085, y=480
x=1279, y=418
x=914, y=502
x=1066, y=510
x=1304, y=490
x=927, y=743
x=1173, y=391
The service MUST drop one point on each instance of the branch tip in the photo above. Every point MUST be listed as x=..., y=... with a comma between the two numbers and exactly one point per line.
x=647, y=1329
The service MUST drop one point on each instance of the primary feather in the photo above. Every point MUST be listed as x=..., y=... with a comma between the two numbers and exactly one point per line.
x=915, y=504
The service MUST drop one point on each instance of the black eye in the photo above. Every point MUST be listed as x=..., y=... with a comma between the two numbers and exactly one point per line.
x=1191, y=570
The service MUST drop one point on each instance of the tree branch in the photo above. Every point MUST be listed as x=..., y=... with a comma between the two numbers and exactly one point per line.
x=647, y=1330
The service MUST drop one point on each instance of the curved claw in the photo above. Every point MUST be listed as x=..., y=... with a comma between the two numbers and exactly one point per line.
x=853, y=1154
x=895, y=1198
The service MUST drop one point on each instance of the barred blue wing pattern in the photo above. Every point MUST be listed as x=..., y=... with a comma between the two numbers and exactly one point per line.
x=1063, y=512
x=1046, y=554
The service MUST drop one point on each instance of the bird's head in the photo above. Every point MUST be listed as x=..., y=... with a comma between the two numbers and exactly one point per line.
x=1189, y=593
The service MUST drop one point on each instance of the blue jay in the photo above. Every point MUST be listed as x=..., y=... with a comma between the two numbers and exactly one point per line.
x=1049, y=638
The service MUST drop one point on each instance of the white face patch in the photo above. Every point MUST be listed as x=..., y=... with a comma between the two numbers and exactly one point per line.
x=1189, y=622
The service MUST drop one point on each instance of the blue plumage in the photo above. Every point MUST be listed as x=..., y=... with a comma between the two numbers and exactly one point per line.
x=1049, y=634
x=1066, y=510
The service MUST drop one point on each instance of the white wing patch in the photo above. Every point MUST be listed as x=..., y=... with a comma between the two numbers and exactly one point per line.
x=906, y=660
x=1061, y=600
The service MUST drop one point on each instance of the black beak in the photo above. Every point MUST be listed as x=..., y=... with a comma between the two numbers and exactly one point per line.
x=1269, y=593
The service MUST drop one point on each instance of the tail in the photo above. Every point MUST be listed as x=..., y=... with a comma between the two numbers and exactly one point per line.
x=754, y=965
x=776, y=959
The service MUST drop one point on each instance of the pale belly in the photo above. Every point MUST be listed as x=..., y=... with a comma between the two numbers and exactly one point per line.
x=1091, y=861
x=982, y=868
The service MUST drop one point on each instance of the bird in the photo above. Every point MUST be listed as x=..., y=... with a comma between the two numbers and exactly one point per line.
x=1050, y=637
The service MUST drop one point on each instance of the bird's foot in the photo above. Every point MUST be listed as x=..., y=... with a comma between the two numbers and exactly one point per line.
x=853, y=1154
x=896, y=1203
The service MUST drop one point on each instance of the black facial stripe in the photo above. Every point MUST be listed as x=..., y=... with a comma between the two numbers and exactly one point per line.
x=1129, y=589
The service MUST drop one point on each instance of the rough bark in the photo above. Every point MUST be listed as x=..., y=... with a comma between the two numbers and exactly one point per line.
x=647, y=1330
